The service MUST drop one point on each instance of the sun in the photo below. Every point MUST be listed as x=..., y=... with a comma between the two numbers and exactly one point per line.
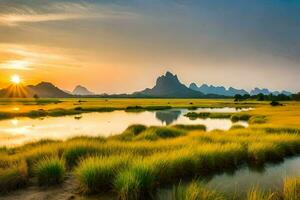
x=15, y=79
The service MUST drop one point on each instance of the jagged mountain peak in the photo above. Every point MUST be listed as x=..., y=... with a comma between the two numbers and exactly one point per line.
x=217, y=90
x=168, y=85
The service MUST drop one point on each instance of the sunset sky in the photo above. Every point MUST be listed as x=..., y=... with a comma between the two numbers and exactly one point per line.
x=117, y=46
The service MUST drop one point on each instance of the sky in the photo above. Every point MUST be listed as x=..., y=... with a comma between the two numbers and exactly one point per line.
x=117, y=46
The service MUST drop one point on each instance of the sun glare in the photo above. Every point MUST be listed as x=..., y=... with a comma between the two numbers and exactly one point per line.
x=15, y=79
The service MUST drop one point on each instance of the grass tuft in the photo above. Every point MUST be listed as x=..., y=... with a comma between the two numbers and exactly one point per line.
x=190, y=127
x=240, y=117
x=96, y=174
x=155, y=133
x=14, y=177
x=50, y=171
x=74, y=153
x=195, y=191
x=237, y=127
x=135, y=182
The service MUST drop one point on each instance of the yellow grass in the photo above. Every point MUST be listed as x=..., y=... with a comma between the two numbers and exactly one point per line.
x=168, y=159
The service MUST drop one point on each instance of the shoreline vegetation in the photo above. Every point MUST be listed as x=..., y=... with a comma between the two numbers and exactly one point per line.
x=234, y=117
x=62, y=107
x=141, y=160
x=136, y=163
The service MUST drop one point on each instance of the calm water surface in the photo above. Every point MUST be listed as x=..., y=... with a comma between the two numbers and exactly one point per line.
x=20, y=130
x=270, y=177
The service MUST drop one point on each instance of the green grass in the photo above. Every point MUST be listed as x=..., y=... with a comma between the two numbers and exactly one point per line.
x=237, y=126
x=135, y=182
x=73, y=153
x=155, y=133
x=98, y=163
x=233, y=116
x=205, y=115
x=131, y=132
x=260, y=153
x=146, y=108
x=240, y=117
x=96, y=174
x=74, y=106
x=50, y=171
x=136, y=129
x=190, y=127
x=13, y=177
x=144, y=159
x=197, y=191
x=258, y=119
x=282, y=130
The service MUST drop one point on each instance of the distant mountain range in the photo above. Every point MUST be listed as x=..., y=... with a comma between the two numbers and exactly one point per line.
x=167, y=86
x=80, y=90
x=220, y=90
x=265, y=91
x=43, y=89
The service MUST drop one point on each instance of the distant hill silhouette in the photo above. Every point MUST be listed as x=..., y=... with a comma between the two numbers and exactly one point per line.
x=168, y=86
x=230, y=92
x=257, y=91
x=80, y=90
x=265, y=91
x=43, y=89
x=219, y=90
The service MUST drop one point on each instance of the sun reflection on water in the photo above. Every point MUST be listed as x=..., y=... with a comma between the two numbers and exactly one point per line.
x=14, y=122
x=15, y=108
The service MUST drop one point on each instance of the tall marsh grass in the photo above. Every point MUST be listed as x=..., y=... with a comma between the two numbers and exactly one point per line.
x=96, y=174
x=50, y=171
x=135, y=182
x=291, y=188
x=13, y=177
x=155, y=133
x=256, y=194
x=148, y=157
x=195, y=191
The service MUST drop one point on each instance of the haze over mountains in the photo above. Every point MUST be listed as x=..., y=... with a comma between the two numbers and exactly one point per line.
x=167, y=86
x=43, y=89
x=220, y=90
x=80, y=90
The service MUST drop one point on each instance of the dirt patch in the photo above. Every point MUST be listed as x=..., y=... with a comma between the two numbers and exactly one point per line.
x=66, y=191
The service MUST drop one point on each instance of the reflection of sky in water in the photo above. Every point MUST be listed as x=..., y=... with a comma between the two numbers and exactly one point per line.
x=222, y=110
x=241, y=181
x=271, y=177
x=98, y=124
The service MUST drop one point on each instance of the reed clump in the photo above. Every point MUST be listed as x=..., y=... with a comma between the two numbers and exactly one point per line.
x=195, y=191
x=135, y=182
x=13, y=177
x=205, y=115
x=96, y=174
x=50, y=171
x=155, y=133
x=148, y=157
